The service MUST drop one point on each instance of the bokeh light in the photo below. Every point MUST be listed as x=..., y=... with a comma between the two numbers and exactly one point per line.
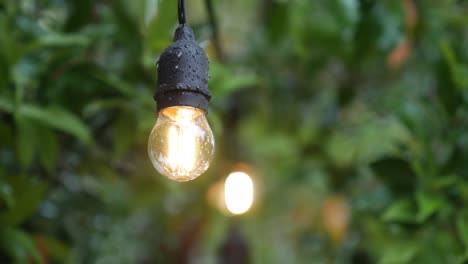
x=238, y=192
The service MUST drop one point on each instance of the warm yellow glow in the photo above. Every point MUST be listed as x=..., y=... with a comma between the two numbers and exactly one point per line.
x=173, y=146
x=181, y=113
x=238, y=192
x=187, y=148
x=182, y=142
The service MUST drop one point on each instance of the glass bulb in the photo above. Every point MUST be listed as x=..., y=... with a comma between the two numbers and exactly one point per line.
x=181, y=144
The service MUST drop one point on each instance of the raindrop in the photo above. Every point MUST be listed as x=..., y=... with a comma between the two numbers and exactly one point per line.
x=177, y=67
x=179, y=54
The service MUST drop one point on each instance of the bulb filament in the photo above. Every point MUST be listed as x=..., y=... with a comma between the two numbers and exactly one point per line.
x=181, y=153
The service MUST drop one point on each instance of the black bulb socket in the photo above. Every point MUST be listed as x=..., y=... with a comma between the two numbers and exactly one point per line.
x=183, y=73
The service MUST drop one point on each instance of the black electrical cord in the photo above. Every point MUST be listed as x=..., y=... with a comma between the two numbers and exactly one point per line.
x=214, y=28
x=181, y=12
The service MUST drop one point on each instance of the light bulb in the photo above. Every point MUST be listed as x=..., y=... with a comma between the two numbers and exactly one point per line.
x=238, y=192
x=181, y=144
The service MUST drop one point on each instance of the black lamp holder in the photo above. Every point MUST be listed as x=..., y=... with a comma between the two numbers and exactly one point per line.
x=183, y=70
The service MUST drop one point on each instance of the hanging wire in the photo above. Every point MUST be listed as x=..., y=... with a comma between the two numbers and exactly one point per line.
x=214, y=28
x=181, y=12
x=212, y=20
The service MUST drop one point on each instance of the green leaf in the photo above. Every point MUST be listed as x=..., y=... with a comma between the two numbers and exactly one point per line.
x=342, y=149
x=401, y=211
x=63, y=40
x=399, y=254
x=406, y=211
x=158, y=32
x=25, y=141
x=369, y=141
x=49, y=149
x=116, y=83
x=143, y=97
x=445, y=181
x=458, y=71
x=225, y=81
x=6, y=194
x=123, y=133
x=19, y=245
x=462, y=228
x=11, y=49
x=28, y=193
x=58, y=118
x=462, y=259
x=98, y=106
x=427, y=205
x=6, y=105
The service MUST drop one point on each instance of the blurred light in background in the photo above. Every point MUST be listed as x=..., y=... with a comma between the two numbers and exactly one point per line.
x=336, y=216
x=238, y=192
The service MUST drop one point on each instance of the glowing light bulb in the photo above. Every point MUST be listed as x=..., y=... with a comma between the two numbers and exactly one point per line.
x=238, y=192
x=181, y=144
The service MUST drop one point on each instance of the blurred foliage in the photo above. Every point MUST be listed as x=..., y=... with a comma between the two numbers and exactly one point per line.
x=354, y=114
